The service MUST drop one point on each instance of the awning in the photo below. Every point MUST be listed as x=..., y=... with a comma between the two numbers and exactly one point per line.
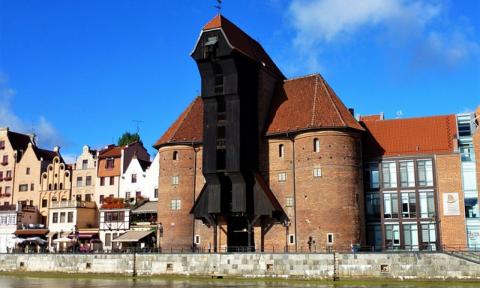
x=132, y=236
x=32, y=232
x=147, y=207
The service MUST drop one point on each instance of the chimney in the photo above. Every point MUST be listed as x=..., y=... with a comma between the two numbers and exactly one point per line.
x=56, y=148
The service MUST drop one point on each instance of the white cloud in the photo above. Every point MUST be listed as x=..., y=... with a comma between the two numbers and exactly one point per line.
x=47, y=135
x=408, y=24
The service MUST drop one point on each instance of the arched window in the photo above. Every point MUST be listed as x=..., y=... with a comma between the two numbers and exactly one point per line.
x=281, y=150
x=54, y=199
x=175, y=155
x=55, y=186
x=61, y=186
x=49, y=186
x=316, y=145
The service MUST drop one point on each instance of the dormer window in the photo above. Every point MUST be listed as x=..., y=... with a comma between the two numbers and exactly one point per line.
x=210, y=46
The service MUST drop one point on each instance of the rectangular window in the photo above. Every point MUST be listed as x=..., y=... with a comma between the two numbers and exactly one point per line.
x=32, y=186
x=88, y=181
x=23, y=187
x=127, y=195
x=429, y=236
x=390, y=205
x=289, y=202
x=1, y=174
x=291, y=239
x=2, y=144
x=372, y=177
x=389, y=174
x=70, y=217
x=44, y=203
x=8, y=174
x=117, y=216
x=102, y=181
x=282, y=177
x=101, y=198
x=407, y=175
x=155, y=193
x=78, y=197
x=392, y=236
x=374, y=235
x=88, y=197
x=5, y=159
x=84, y=164
x=317, y=172
x=176, y=204
x=174, y=180
x=281, y=150
x=134, y=178
x=62, y=217
x=112, y=180
x=197, y=239
x=329, y=238
x=373, y=205
x=79, y=181
x=108, y=239
x=425, y=173
x=410, y=236
x=409, y=202
x=55, y=217
x=110, y=163
x=27, y=171
x=8, y=190
x=427, y=204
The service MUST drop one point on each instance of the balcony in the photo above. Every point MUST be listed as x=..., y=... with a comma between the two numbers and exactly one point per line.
x=73, y=204
x=8, y=178
x=8, y=208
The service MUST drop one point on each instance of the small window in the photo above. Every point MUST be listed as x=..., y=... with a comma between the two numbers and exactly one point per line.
x=316, y=145
x=88, y=181
x=44, y=203
x=291, y=239
x=27, y=171
x=110, y=163
x=197, y=239
x=281, y=150
x=174, y=180
x=175, y=155
x=102, y=197
x=317, y=172
x=289, y=202
x=112, y=180
x=70, y=217
x=330, y=238
x=23, y=187
x=84, y=164
x=62, y=217
x=2, y=144
x=54, y=199
x=282, y=177
x=134, y=178
x=55, y=217
x=102, y=181
x=127, y=195
x=176, y=204
x=155, y=193
x=79, y=181
x=32, y=186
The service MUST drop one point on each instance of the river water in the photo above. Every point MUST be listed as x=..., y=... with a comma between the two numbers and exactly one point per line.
x=32, y=282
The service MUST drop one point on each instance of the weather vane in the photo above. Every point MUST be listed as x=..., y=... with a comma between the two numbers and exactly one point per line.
x=219, y=6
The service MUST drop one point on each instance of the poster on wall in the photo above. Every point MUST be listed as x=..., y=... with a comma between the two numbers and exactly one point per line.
x=451, y=205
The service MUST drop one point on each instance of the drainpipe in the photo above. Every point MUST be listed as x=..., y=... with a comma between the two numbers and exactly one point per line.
x=195, y=151
x=292, y=138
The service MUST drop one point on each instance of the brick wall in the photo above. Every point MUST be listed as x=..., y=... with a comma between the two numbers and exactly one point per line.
x=449, y=179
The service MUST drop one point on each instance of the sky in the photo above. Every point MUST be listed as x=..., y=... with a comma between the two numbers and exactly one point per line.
x=82, y=72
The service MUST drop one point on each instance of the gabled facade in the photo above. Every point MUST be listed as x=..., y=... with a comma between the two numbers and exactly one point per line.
x=55, y=185
x=133, y=183
x=12, y=148
x=85, y=175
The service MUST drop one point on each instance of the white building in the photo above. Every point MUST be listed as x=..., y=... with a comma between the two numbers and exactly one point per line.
x=151, y=188
x=113, y=223
x=133, y=182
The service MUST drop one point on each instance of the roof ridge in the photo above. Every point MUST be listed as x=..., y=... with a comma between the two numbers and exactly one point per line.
x=333, y=103
x=418, y=117
x=301, y=77
x=312, y=121
x=189, y=108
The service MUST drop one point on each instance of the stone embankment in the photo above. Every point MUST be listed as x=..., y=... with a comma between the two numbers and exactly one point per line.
x=343, y=266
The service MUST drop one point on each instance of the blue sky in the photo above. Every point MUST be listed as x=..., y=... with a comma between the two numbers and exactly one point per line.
x=80, y=72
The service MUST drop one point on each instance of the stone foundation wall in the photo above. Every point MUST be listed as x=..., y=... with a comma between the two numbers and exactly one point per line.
x=316, y=266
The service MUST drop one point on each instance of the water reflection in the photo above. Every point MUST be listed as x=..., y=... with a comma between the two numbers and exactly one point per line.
x=26, y=282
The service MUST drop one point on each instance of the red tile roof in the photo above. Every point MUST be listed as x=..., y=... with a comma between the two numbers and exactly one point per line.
x=308, y=103
x=187, y=129
x=371, y=117
x=411, y=136
x=111, y=152
x=243, y=43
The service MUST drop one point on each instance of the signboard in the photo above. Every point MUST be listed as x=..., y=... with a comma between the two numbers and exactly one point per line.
x=451, y=205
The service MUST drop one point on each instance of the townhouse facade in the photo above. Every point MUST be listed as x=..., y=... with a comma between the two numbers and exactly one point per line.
x=85, y=175
x=133, y=183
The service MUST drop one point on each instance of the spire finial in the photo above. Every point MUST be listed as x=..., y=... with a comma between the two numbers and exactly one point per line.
x=219, y=6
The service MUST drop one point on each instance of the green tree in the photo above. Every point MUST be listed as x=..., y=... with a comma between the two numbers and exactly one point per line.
x=128, y=138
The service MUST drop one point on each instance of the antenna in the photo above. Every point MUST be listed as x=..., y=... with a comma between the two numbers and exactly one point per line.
x=138, y=125
x=218, y=6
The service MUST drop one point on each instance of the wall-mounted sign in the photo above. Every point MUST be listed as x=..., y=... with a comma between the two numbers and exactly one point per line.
x=451, y=205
